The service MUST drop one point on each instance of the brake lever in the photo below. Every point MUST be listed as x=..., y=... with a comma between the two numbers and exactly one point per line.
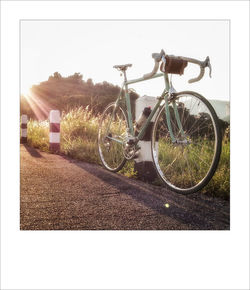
x=210, y=69
x=158, y=56
x=208, y=64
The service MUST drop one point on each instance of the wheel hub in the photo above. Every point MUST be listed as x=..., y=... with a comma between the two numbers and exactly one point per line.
x=107, y=142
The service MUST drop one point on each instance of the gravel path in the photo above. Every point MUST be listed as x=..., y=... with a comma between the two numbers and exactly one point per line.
x=58, y=193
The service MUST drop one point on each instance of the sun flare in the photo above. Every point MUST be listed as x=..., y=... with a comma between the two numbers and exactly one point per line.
x=26, y=89
x=27, y=94
x=39, y=107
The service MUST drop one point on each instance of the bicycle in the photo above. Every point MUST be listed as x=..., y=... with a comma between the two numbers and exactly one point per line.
x=185, y=138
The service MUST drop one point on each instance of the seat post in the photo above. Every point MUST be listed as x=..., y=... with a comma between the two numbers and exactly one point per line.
x=125, y=76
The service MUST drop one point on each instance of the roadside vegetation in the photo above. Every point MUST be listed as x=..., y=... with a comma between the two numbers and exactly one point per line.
x=79, y=129
x=220, y=183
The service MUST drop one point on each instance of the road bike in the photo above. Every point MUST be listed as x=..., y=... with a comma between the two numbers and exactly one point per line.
x=185, y=138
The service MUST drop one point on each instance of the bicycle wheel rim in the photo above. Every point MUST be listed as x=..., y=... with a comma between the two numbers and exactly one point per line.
x=110, y=151
x=186, y=168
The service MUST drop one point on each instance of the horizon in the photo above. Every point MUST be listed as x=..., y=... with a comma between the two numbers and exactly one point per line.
x=37, y=84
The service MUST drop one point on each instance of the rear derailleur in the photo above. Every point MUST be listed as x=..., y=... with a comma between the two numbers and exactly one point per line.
x=130, y=148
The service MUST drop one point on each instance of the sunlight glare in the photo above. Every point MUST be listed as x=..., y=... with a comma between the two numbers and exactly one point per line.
x=40, y=108
x=26, y=89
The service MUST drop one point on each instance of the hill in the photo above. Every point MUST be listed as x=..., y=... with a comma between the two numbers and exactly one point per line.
x=66, y=93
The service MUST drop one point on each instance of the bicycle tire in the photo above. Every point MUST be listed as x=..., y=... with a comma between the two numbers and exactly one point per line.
x=111, y=152
x=189, y=150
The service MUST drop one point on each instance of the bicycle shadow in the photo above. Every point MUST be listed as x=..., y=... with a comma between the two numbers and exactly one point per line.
x=197, y=211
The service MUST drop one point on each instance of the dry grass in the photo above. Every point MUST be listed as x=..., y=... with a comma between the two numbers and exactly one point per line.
x=79, y=130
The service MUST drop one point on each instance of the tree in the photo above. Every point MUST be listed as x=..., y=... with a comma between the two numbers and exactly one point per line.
x=72, y=91
x=90, y=82
x=56, y=76
x=76, y=78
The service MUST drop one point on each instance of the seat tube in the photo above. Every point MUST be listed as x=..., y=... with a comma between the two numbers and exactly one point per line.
x=167, y=109
x=128, y=104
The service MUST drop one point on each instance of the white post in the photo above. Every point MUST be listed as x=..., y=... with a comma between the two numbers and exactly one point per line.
x=144, y=162
x=24, y=121
x=54, y=134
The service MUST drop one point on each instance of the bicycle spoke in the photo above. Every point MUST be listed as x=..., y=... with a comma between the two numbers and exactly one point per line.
x=195, y=130
x=110, y=140
x=211, y=148
x=172, y=163
x=200, y=158
x=189, y=170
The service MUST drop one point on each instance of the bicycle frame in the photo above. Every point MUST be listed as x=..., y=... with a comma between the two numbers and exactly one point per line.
x=164, y=96
x=184, y=126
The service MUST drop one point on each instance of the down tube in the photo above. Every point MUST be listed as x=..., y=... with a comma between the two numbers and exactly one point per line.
x=144, y=128
x=167, y=109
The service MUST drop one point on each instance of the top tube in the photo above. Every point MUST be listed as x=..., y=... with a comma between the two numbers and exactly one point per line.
x=143, y=79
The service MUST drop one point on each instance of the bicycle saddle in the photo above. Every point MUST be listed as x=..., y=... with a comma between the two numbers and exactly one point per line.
x=122, y=67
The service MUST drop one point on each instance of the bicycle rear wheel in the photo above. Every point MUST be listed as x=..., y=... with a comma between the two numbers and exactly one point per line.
x=187, y=163
x=111, y=135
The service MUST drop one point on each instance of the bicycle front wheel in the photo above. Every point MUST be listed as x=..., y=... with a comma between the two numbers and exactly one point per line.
x=111, y=135
x=187, y=160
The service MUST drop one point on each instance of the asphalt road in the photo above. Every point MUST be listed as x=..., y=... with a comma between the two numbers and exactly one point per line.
x=59, y=193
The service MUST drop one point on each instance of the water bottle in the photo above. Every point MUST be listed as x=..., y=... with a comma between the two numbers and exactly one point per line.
x=142, y=118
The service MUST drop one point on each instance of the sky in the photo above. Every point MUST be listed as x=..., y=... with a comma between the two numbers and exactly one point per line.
x=93, y=47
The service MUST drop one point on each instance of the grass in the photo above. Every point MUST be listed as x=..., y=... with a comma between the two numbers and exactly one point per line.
x=220, y=183
x=38, y=133
x=79, y=130
x=79, y=135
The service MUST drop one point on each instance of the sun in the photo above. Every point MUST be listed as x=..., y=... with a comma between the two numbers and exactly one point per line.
x=35, y=103
x=26, y=90
x=26, y=85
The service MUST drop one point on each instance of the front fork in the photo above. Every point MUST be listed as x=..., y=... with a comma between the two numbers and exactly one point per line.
x=169, y=98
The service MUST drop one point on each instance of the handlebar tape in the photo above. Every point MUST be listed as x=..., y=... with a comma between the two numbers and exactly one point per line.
x=154, y=71
x=200, y=76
